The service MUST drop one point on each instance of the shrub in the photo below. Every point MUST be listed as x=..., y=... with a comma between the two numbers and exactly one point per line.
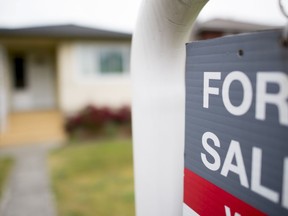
x=92, y=122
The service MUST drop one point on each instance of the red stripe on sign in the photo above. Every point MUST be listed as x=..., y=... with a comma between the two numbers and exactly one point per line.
x=208, y=199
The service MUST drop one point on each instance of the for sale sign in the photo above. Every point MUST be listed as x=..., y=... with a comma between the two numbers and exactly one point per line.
x=236, y=135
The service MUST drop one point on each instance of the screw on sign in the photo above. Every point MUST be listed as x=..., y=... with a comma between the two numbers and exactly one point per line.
x=236, y=124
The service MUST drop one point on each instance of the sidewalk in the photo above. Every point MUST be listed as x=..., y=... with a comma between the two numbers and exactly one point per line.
x=28, y=190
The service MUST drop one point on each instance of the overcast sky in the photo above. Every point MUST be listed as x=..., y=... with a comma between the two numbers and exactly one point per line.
x=122, y=14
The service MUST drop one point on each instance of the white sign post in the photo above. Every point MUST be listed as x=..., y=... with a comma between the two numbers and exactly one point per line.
x=158, y=59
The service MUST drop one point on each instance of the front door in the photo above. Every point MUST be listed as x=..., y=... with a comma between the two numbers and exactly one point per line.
x=33, y=81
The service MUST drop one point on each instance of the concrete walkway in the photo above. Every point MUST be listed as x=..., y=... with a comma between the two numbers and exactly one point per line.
x=28, y=190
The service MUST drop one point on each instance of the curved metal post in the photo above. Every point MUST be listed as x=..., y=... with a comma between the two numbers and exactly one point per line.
x=158, y=59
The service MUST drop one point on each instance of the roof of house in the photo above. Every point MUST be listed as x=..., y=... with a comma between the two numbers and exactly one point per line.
x=63, y=31
x=227, y=25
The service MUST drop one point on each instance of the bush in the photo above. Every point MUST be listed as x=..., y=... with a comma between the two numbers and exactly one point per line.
x=93, y=122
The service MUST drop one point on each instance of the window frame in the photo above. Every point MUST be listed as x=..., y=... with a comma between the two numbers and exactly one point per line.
x=89, y=57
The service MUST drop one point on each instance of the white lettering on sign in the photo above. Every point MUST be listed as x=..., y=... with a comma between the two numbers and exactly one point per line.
x=247, y=97
x=234, y=152
x=285, y=184
x=256, y=177
x=217, y=161
x=262, y=97
x=207, y=89
x=279, y=99
x=228, y=212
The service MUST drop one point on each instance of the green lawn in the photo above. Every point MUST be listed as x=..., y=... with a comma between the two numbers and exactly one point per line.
x=94, y=179
x=5, y=167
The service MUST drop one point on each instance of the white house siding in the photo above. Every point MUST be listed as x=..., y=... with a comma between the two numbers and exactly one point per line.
x=3, y=89
x=78, y=89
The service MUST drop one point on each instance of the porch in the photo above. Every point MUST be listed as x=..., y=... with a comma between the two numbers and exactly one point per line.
x=33, y=127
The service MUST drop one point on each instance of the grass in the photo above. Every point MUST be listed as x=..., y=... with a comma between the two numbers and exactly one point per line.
x=94, y=179
x=5, y=167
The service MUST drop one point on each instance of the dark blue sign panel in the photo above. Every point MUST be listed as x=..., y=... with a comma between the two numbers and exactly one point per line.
x=236, y=130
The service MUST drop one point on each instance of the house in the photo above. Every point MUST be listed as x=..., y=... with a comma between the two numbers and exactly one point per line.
x=220, y=27
x=48, y=72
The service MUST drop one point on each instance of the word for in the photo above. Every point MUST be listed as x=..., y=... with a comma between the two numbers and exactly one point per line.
x=262, y=97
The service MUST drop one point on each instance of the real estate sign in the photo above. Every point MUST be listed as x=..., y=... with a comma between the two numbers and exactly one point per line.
x=236, y=130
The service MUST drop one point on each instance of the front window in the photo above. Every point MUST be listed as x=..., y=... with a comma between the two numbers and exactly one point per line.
x=111, y=62
x=101, y=60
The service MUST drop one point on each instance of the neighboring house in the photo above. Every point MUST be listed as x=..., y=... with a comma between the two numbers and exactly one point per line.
x=220, y=27
x=52, y=71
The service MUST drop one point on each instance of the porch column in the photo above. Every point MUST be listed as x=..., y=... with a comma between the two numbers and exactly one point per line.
x=3, y=90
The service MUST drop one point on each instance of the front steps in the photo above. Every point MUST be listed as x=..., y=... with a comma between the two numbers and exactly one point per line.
x=33, y=127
